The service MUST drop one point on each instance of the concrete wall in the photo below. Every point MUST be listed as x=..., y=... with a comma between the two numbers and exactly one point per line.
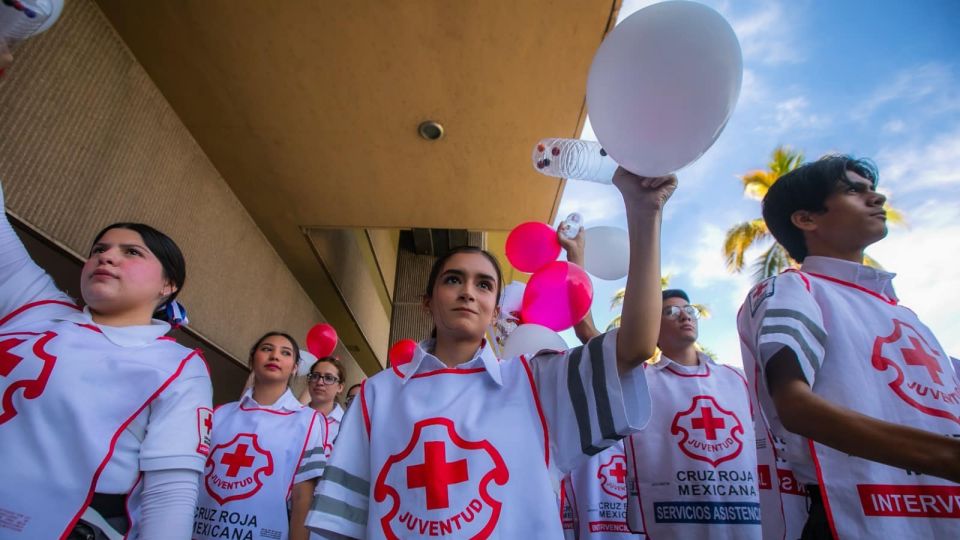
x=86, y=139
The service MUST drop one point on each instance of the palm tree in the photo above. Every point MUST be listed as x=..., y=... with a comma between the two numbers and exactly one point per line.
x=745, y=235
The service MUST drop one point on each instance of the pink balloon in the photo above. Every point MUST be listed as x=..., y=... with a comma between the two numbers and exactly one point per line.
x=532, y=245
x=321, y=340
x=402, y=352
x=557, y=296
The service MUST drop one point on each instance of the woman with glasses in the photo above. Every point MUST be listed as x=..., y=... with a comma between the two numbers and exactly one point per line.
x=267, y=452
x=325, y=383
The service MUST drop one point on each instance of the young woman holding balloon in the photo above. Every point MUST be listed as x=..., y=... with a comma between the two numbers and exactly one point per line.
x=102, y=415
x=267, y=450
x=439, y=445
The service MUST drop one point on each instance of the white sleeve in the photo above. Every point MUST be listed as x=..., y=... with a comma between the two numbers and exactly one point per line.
x=781, y=312
x=169, y=501
x=314, y=457
x=342, y=499
x=174, y=429
x=588, y=404
x=21, y=280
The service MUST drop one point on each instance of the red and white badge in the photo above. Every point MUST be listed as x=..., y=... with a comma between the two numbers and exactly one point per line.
x=25, y=366
x=920, y=377
x=236, y=470
x=439, y=485
x=204, y=429
x=708, y=432
x=613, y=476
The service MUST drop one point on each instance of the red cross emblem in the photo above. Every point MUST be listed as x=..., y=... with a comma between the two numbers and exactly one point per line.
x=613, y=476
x=25, y=368
x=760, y=292
x=236, y=470
x=204, y=429
x=708, y=432
x=917, y=372
x=440, y=484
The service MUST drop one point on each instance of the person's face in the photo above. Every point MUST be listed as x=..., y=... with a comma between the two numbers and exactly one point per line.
x=352, y=393
x=854, y=219
x=678, y=327
x=320, y=390
x=274, y=360
x=122, y=274
x=464, y=299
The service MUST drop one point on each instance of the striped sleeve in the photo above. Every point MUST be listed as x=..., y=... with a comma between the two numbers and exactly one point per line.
x=342, y=498
x=781, y=312
x=314, y=459
x=588, y=405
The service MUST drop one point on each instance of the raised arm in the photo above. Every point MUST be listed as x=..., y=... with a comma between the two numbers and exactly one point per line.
x=643, y=199
x=805, y=413
x=21, y=280
x=585, y=329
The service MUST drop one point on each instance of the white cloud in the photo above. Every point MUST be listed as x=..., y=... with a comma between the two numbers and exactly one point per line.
x=894, y=126
x=765, y=38
x=930, y=87
x=927, y=277
x=910, y=168
x=794, y=114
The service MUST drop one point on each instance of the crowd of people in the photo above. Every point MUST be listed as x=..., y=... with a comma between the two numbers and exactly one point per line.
x=844, y=423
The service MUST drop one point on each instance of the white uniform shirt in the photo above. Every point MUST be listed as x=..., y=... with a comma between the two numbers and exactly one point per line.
x=455, y=452
x=333, y=426
x=858, y=348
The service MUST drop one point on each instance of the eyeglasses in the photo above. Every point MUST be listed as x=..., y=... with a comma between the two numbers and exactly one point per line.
x=673, y=312
x=326, y=378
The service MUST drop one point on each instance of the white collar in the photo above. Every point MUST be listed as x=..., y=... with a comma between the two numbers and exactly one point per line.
x=424, y=361
x=663, y=361
x=873, y=279
x=336, y=414
x=287, y=401
x=123, y=336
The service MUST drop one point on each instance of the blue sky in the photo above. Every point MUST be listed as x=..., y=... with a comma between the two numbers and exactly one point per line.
x=877, y=79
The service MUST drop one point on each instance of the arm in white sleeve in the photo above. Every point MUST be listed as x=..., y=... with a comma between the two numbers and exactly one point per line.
x=169, y=500
x=21, y=280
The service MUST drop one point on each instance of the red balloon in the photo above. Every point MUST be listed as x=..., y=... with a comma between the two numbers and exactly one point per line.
x=402, y=352
x=557, y=296
x=321, y=340
x=532, y=245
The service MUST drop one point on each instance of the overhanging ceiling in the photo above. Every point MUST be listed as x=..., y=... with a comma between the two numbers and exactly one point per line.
x=309, y=109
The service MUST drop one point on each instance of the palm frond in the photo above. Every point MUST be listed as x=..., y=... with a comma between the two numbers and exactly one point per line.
x=756, y=184
x=614, y=323
x=738, y=240
x=770, y=263
x=871, y=262
x=617, y=298
x=895, y=216
x=704, y=310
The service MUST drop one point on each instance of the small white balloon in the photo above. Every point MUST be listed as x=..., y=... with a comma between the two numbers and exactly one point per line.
x=529, y=339
x=663, y=85
x=307, y=359
x=606, y=253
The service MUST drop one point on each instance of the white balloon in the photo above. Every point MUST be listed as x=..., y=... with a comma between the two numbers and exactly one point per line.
x=663, y=85
x=606, y=254
x=307, y=359
x=529, y=339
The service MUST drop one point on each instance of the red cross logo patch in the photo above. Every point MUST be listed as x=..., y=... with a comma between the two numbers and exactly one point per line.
x=921, y=374
x=613, y=476
x=439, y=485
x=25, y=368
x=759, y=293
x=236, y=470
x=708, y=432
x=204, y=429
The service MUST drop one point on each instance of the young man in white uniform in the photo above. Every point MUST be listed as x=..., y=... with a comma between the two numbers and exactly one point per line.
x=695, y=463
x=860, y=390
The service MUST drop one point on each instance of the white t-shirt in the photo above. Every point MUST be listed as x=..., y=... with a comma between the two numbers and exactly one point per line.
x=476, y=449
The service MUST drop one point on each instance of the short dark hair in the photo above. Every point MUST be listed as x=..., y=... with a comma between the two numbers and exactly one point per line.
x=163, y=248
x=675, y=293
x=807, y=188
x=296, y=348
x=438, y=266
x=332, y=360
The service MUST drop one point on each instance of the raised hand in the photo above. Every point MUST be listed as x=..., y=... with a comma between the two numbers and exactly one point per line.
x=645, y=193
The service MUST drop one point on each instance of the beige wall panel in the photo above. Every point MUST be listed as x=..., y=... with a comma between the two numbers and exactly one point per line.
x=87, y=139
